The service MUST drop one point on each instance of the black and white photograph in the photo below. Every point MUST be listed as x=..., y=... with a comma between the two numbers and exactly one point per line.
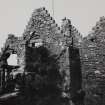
x=52, y=52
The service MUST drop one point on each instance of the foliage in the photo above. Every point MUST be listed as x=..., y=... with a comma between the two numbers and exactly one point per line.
x=43, y=81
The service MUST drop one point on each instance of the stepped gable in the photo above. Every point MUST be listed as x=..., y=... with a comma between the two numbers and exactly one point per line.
x=66, y=27
x=42, y=24
x=44, y=27
x=77, y=36
x=93, y=55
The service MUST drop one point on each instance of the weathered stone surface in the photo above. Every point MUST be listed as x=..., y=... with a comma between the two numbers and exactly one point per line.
x=57, y=40
x=93, y=64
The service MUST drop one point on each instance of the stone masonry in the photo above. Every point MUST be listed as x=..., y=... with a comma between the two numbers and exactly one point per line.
x=42, y=29
x=93, y=64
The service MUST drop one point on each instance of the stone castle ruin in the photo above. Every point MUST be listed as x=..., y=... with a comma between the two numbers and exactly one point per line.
x=79, y=61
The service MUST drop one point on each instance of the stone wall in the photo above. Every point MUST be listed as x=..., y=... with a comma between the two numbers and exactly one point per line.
x=16, y=45
x=93, y=64
x=42, y=28
x=57, y=39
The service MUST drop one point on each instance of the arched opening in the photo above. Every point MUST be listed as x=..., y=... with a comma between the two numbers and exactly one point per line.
x=12, y=60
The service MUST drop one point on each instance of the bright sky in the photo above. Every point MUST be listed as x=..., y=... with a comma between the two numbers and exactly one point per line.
x=14, y=14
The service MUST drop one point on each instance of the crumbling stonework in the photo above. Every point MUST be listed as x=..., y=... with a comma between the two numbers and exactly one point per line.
x=42, y=26
x=93, y=64
x=43, y=30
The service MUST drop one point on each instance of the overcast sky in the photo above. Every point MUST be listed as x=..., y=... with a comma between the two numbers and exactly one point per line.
x=14, y=14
